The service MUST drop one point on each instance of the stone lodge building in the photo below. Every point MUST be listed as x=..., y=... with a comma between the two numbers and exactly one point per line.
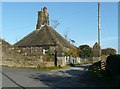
x=44, y=38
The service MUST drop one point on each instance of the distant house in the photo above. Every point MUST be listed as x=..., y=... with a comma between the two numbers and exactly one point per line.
x=44, y=38
x=96, y=50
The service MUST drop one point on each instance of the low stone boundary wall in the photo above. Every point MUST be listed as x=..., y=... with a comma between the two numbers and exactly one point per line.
x=34, y=64
x=61, y=62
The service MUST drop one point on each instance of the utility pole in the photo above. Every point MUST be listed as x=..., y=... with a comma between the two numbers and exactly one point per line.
x=99, y=23
x=99, y=27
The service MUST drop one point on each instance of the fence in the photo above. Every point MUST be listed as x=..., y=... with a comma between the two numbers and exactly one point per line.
x=98, y=66
x=69, y=60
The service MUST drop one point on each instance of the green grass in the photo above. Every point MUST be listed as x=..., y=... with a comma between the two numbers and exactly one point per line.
x=50, y=68
x=53, y=67
x=41, y=68
x=81, y=63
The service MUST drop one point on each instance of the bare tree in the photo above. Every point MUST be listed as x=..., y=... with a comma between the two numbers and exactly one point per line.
x=55, y=23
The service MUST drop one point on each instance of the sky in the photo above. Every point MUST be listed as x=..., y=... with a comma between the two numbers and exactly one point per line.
x=78, y=20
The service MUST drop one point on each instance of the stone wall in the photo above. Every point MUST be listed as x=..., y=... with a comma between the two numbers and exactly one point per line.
x=27, y=57
x=33, y=64
x=22, y=57
x=34, y=57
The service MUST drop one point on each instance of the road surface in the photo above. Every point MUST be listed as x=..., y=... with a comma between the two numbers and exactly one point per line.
x=70, y=77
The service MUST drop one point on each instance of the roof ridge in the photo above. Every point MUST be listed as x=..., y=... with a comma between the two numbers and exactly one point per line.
x=51, y=35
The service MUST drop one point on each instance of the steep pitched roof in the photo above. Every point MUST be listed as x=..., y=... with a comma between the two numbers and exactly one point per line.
x=44, y=36
x=96, y=46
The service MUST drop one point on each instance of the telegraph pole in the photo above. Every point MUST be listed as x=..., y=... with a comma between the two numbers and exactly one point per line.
x=99, y=23
x=99, y=27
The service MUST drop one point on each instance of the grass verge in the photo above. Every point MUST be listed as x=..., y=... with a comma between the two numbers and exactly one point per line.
x=41, y=68
x=53, y=67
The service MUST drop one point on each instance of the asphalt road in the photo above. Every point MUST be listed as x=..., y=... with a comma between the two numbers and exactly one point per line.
x=71, y=77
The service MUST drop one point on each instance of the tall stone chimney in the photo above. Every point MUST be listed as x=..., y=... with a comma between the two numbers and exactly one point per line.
x=43, y=18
